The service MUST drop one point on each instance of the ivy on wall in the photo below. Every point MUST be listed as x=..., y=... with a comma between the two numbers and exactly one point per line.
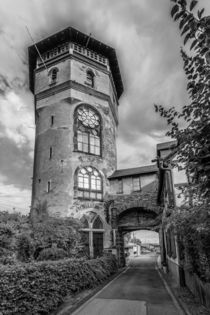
x=192, y=226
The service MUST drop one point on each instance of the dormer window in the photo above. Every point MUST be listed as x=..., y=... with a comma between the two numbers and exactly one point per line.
x=90, y=78
x=53, y=75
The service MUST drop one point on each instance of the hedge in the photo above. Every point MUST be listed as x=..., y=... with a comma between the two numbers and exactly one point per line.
x=38, y=288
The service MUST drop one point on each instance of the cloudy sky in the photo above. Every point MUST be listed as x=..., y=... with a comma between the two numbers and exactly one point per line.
x=147, y=42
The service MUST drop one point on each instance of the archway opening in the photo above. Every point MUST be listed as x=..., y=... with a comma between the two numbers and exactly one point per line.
x=141, y=242
x=143, y=225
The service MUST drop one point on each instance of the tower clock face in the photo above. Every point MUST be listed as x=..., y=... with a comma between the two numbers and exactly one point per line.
x=88, y=117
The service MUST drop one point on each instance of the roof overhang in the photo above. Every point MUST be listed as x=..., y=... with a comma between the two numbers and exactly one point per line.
x=131, y=172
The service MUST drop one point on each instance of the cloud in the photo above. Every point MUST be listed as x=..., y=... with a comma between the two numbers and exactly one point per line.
x=16, y=163
x=147, y=43
x=13, y=198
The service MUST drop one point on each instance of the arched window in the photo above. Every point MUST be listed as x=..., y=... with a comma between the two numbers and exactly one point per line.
x=88, y=130
x=90, y=78
x=53, y=74
x=97, y=224
x=89, y=183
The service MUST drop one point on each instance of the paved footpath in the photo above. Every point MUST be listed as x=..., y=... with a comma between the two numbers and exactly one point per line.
x=138, y=290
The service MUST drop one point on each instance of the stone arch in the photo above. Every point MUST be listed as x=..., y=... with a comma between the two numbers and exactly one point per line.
x=133, y=219
x=137, y=218
x=137, y=203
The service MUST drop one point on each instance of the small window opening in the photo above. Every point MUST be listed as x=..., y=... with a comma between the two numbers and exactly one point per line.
x=120, y=186
x=53, y=75
x=50, y=153
x=48, y=186
x=90, y=78
x=52, y=121
x=136, y=184
x=39, y=180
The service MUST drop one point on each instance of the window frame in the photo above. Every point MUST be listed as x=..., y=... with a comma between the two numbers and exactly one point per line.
x=90, y=78
x=120, y=186
x=53, y=75
x=133, y=185
x=80, y=130
x=84, y=191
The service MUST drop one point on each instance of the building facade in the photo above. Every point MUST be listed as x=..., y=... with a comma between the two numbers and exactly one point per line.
x=77, y=85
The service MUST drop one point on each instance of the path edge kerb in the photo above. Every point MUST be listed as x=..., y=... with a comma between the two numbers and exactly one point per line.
x=183, y=307
x=81, y=303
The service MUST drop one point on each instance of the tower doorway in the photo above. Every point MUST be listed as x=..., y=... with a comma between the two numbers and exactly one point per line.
x=93, y=235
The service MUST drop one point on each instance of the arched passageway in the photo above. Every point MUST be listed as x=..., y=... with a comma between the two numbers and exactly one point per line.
x=133, y=219
x=140, y=243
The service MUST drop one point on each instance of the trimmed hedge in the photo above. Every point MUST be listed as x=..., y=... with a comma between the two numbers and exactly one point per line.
x=38, y=288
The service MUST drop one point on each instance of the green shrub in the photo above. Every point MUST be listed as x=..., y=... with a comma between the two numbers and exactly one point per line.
x=52, y=253
x=38, y=288
x=24, y=247
x=8, y=260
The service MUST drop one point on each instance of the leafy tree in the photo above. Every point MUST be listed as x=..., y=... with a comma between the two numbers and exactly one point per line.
x=6, y=239
x=12, y=224
x=51, y=232
x=193, y=140
x=60, y=232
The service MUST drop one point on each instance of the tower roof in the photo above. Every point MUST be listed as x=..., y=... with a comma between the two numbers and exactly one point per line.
x=71, y=34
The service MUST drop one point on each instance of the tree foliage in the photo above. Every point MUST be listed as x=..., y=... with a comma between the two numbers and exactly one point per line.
x=193, y=150
x=23, y=240
x=192, y=227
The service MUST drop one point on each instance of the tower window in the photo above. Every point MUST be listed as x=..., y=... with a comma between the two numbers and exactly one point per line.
x=88, y=130
x=52, y=121
x=136, y=184
x=50, y=153
x=89, y=184
x=48, y=187
x=90, y=78
x=53, y=75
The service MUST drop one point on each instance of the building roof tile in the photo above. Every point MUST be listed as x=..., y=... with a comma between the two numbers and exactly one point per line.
x=134, y=171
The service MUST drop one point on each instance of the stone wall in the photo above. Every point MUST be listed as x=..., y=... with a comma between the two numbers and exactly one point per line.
x=146, y=198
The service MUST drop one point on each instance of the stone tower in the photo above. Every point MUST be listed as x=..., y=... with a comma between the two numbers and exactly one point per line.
x=76, y=92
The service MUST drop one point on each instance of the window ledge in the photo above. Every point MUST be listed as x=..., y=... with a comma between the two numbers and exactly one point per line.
x=52, y=83
x=86, y=199
x=92, y=154
x=88, y=84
